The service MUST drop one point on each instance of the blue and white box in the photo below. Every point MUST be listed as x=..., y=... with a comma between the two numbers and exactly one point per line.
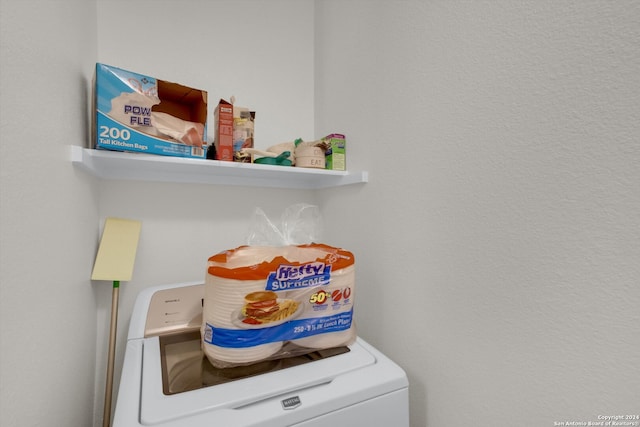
x=138, y=113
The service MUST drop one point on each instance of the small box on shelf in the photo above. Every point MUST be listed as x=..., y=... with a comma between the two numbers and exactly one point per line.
x=336, y=153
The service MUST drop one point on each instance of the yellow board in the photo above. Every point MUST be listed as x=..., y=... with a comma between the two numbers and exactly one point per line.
x=117, y=251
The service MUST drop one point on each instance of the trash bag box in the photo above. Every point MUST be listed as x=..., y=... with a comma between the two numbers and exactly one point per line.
x=139, y=113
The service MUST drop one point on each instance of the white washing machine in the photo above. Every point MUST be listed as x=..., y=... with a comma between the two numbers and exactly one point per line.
x=167, y=382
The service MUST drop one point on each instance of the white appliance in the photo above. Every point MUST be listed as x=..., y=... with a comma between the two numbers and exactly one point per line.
x=167, y=382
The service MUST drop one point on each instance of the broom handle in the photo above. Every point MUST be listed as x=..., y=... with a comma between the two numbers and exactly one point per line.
x=106, y=420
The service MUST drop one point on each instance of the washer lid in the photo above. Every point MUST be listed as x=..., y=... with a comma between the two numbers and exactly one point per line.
x=158, y=407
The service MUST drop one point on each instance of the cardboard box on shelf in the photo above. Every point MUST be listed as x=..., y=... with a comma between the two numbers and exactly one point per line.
x=336, y=154
x=139, y=113
x=223, y=140
x=233, y=130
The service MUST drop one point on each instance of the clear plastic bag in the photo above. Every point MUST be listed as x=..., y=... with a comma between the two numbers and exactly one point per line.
x=299, y=224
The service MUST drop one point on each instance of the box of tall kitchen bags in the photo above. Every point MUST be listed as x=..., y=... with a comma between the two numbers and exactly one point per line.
x=139, y=113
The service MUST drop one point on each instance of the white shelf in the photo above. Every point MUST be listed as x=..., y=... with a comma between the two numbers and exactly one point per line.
x=147, y=167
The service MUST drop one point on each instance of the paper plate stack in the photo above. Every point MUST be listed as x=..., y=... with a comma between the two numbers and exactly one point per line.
x=260, y=298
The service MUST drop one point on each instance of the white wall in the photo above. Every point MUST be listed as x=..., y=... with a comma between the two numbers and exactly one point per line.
x=499, y=235
x=496, y=242
x=48, y=215
x=259, y=52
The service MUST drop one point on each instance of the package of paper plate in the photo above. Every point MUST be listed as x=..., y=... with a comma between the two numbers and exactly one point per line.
x=271, y=302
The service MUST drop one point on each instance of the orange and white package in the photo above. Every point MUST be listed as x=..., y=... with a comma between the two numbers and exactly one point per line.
x=265, y=302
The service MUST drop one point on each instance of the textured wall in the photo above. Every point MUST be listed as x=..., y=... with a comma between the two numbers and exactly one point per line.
x=48, y=215
x=499, y=235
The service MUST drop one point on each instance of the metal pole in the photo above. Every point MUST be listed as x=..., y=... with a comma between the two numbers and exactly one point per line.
x=106, y=420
